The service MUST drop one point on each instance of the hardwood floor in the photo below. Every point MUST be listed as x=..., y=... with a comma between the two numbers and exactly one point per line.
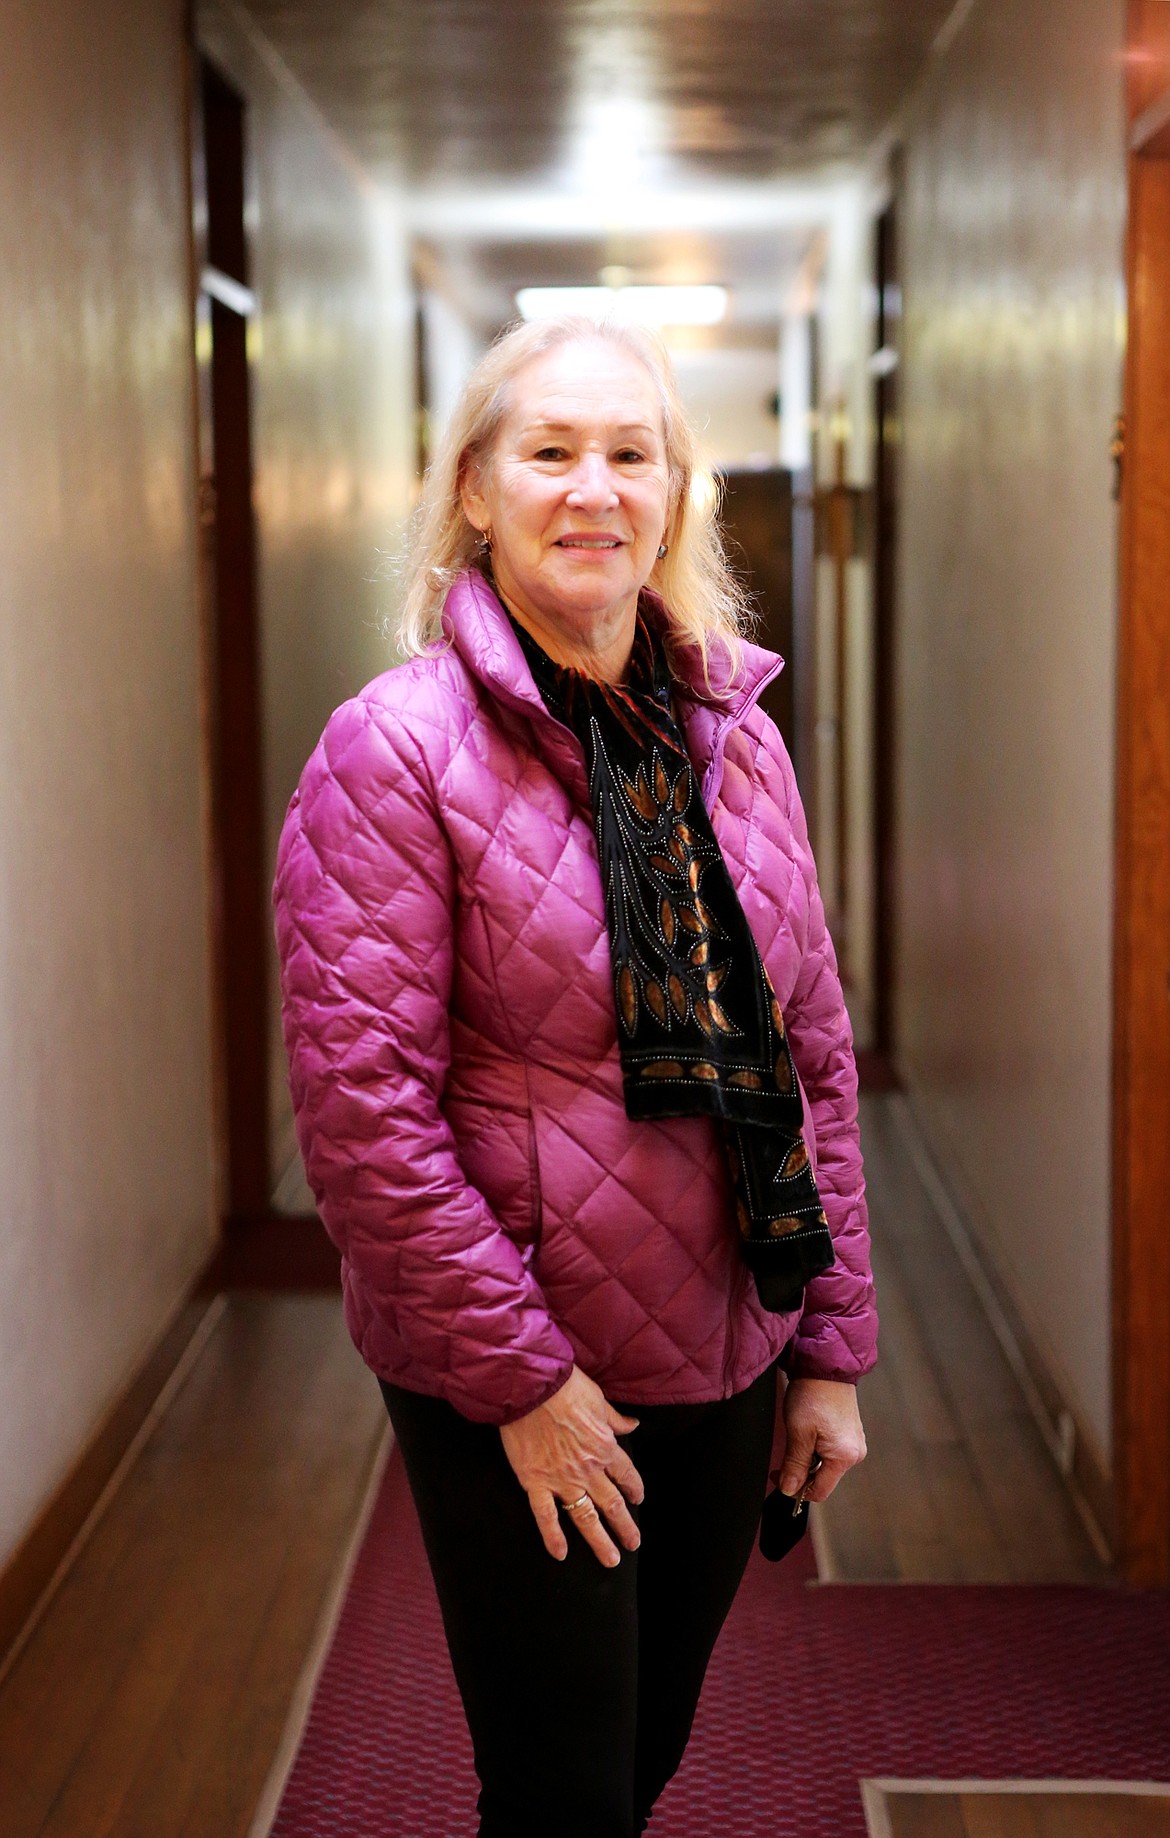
x=958, y=1486
x=151, y=1697
x=1051, y=1813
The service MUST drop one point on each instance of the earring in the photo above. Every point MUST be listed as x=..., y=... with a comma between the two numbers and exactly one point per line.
x=662, y=548
x=485, y=539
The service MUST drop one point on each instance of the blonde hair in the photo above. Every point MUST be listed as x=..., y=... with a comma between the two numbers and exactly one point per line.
x=704, y=602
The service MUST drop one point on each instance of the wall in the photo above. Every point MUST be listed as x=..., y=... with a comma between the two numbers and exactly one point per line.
x=1011, y=231
x=106, y=1157
x=334, y=427
x=451, y=349
x=727, y=391
x=105, y=1164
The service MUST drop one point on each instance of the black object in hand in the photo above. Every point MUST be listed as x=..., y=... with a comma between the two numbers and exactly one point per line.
x=785, y=1519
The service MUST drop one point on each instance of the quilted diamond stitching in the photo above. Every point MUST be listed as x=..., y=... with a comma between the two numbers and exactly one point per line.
x=443, y=744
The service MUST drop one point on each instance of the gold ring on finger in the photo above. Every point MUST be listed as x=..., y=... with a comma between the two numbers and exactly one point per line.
x=575, y=1506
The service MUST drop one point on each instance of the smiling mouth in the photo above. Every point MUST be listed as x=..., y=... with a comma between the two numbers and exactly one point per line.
x=588, y=542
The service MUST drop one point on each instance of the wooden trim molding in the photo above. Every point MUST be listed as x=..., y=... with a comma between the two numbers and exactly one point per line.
x=1141, y=1089
x=30, y=1574
x=1150, y=133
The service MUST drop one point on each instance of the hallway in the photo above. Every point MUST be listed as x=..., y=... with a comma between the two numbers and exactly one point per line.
x=162, y=1673
x=910, y=261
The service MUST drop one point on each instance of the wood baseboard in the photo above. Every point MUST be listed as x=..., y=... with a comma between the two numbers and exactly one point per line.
x=30, y=1571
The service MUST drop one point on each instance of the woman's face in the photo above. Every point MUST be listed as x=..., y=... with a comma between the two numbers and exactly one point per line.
x=576, y=491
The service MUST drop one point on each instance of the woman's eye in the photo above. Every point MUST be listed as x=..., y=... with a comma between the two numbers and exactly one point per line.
x=550, y=453
x=630, y=456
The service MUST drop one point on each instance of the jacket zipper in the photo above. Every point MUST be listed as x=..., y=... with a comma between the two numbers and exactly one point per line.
x=711, y=783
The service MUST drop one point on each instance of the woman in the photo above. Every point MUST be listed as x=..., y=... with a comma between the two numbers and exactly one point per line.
x=573, y=1076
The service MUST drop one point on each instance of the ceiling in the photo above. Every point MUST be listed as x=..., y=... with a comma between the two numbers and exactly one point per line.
x=444, y=91
x=525, y=132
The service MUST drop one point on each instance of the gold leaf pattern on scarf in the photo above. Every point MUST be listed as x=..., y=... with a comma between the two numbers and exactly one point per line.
x=655, y=1000
x=796, y=1161
x=676, y=848
x=784, y=1073
x=703, y=1069
x=681, y=789
x=703, y=1017
x=665, y=864
x=640, y=795
x=669, y=923
x=689, y=919
x=719, y=1017
x=663, y=1069
x=778, y=1228
x=751, y=1079
x=679, y=1000
x=716, y=976
x=661, y=783
x=706, y=915
x=701, y=952
x=627, y=995
x=777, y=1017
x=694, y=873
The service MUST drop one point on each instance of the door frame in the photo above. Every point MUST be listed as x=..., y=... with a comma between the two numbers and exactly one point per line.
x=225, y=306
x=258, y=1248
x=885, y=366
x=1141, y=1066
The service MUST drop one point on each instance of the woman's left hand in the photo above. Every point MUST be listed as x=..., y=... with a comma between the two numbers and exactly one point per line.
x=821, y=1417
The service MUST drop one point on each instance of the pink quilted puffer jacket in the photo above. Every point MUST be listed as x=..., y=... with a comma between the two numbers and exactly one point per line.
x=452, y=1043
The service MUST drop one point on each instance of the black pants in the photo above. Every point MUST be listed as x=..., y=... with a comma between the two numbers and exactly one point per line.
x=580, y=1682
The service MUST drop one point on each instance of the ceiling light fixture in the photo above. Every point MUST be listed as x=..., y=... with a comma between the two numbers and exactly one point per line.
x=645, y=305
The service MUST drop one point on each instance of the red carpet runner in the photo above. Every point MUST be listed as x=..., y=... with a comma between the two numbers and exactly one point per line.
x=809, y=1689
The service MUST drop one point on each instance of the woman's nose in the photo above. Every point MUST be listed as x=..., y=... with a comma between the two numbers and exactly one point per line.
x=592, y=487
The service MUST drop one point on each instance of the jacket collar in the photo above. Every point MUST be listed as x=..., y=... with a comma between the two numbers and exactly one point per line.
x=482, y=634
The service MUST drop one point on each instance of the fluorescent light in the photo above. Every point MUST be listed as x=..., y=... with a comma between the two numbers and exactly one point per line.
x=646, y=305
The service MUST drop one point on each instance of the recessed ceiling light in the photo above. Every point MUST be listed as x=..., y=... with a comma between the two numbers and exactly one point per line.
x=646, y=305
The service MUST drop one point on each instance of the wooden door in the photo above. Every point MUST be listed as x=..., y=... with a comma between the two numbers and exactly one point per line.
x=225, y=305
x=1141, y=1094
x=886, y=360
x=757, y=528
x=258, y=1247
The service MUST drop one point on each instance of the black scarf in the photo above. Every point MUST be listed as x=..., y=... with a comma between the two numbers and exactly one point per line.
x=699, y=1028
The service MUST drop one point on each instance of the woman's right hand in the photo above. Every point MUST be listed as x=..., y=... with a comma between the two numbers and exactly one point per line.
x=567, y=1447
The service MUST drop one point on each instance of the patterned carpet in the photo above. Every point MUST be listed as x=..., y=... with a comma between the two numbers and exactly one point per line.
x=810, y=1689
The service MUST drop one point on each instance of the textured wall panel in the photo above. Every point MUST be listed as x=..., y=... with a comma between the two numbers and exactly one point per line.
x=105, y=1151
x=1013, y=275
